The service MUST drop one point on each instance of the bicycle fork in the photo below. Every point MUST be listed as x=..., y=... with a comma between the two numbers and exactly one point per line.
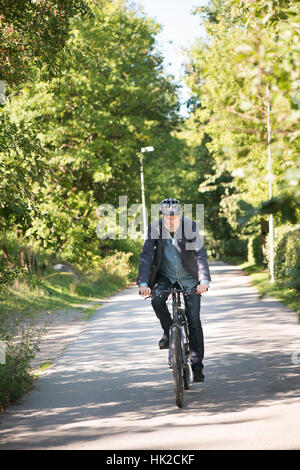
x=186, y=361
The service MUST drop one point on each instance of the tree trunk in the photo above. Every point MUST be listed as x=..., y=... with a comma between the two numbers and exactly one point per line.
x=22, y=257
x=5, y=252
x=43, y=268
x=27, y=262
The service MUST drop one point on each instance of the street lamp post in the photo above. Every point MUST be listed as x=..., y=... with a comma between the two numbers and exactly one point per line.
x=270, y=177
x=144, y=150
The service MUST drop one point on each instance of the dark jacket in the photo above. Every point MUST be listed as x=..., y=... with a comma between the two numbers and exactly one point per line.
x=194, y=260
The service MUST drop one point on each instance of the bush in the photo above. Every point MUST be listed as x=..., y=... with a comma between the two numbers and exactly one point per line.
x=20, y=346
x=117, y=264
x=255, y=254
x=30, y=294
x=8, y=274
x=234, y=247
x=287, y=256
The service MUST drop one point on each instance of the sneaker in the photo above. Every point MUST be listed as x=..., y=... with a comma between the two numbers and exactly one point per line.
x=164, y=342
x=198, y=376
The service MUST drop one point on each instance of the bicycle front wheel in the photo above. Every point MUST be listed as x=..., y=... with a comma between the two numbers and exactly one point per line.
x=177, y=366
x=187, y=377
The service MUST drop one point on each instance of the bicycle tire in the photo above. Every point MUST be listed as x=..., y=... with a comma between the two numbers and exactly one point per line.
x=187, y=369
x=177, y=366
x=186, y=378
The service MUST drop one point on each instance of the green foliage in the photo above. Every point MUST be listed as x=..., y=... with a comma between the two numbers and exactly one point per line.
x=255, y=254
x=19, y=330
x=117, y=264
x=86, y=91
x=250, y=46
x=21, y=165
x=287, y=204
x=8, y=274
x=234, y=247
x=270, y=12
x=248, y=61
x=33, y=34
x=112, y=100
x=21, y=341
x=261, y=280
x=128, y=258
x=29, y=294
x=287, y=257
x=102, y=282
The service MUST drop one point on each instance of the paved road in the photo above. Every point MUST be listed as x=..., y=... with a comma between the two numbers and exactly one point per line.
x=112, y=389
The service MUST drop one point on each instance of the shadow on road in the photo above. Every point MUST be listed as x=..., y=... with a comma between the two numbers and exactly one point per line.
x=88, y=401
x=113, y=380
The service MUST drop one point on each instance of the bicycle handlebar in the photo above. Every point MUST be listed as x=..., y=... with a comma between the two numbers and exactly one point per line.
x=174, y=290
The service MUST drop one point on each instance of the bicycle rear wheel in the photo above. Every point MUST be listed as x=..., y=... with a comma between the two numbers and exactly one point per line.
x=177, y=366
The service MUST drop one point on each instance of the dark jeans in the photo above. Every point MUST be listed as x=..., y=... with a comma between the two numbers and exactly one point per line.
x=192, y=310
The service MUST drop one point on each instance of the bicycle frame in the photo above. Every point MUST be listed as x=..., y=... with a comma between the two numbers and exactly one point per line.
x=179, y=319
x=179, y=355
x=180, y=322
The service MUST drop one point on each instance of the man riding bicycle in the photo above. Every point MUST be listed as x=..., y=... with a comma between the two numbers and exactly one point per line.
x=173, y=255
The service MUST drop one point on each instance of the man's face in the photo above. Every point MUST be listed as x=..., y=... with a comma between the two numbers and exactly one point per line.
x=172, y=222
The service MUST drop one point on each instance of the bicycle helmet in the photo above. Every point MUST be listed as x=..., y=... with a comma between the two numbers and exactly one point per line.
x=170, y=206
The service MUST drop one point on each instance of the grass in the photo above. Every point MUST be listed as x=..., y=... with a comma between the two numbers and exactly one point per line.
x=23, y=303
x=25, y=299
x=260, y=279
x=58, y=291
x=43, y=367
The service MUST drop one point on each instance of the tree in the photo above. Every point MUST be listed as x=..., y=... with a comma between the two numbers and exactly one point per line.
x=21, y=165
x=250, y=45
x=33, y=34
x=111, y=100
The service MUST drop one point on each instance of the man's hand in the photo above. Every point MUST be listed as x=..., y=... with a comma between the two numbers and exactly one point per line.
x=145, y=291
x=201, y=288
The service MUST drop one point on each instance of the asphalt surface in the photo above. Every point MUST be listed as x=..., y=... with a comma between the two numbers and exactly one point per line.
x=112, y=389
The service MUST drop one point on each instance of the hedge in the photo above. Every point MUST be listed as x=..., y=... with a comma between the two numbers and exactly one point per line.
x=255, y=254
x=287, y=256
x=234, y=247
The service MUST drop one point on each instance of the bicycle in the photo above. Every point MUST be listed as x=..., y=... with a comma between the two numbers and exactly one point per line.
x=179, y=351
